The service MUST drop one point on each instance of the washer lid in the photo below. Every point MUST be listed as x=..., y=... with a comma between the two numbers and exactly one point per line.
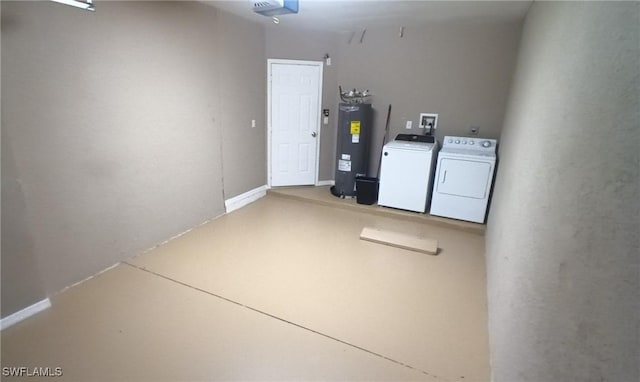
x=406, y=145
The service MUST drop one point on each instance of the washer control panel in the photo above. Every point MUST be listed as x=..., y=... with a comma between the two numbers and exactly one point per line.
x=468, y=143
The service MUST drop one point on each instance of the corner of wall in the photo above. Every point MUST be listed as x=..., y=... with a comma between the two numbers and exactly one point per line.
x=562, y=243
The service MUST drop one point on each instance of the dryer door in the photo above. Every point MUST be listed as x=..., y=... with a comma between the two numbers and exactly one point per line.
x=465, y=178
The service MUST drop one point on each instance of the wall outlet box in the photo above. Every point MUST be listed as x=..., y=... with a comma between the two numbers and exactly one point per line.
x=428, y=121
x=409, y=124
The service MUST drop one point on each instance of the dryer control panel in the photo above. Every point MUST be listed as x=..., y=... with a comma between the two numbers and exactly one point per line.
x=468, y=143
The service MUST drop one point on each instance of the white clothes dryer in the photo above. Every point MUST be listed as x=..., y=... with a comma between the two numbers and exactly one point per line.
x=463, y=180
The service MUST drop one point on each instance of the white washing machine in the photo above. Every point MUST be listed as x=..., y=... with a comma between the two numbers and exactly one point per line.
x=406, y=175
x=463, y=180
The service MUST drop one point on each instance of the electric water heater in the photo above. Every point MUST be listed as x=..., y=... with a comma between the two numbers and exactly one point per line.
x=354, y=143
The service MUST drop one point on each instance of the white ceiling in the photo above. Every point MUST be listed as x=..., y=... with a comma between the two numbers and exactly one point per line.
x=350, y=15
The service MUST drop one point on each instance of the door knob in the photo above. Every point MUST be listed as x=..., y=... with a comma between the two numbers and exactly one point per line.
x=314, y=134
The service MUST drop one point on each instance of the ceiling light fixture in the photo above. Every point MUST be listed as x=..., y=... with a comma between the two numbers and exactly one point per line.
x=87, y=5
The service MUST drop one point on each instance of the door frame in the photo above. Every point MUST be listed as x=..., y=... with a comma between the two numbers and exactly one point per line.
x=320, y=65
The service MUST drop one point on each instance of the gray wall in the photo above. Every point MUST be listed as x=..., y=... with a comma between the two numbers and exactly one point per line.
x=563, y=255
x=21, y=281
x=242, y=89
x=284, y=43
x=460, y=71
x=114, y=126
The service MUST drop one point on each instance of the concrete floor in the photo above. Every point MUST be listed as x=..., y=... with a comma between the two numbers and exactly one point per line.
x=281, y=289
x=322, y=195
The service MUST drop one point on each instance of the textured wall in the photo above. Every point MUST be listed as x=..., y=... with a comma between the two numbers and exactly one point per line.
x=461, y=71
x=312, y=45
x=242, y=83
x=21, y=281
x=116, y=126
x=562, y=244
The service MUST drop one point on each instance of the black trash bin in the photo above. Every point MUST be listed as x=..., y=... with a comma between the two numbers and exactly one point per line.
x=366, y=190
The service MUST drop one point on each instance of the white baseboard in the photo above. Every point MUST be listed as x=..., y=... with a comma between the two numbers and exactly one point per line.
x=326, y=183
x=243, y=199
x=25, y=313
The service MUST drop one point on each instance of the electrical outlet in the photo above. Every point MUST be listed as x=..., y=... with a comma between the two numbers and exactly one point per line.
x=428, y=121
x=474, y=130
x=409, y=124
x=253, y=123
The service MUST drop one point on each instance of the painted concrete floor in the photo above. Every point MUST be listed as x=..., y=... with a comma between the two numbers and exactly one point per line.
x=279, y=290
x=322, y=195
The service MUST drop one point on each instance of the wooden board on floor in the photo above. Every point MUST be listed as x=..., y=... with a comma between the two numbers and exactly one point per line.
x=400, y=240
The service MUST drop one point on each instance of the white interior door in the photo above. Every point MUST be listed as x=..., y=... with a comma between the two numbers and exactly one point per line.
x=294, y=116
